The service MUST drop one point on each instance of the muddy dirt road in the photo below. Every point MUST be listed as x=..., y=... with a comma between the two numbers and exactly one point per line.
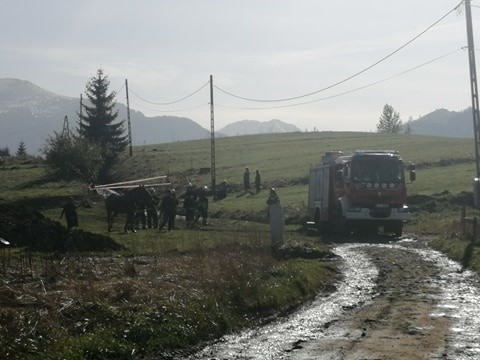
x=398, y=300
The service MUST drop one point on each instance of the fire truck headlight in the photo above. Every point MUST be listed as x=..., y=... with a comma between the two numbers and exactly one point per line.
x=391, y=185
x=376, y=185
x=384, y=185
x=404, y=208
x=369, y=185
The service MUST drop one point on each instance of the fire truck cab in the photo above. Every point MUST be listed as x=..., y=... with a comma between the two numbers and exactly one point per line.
x=364, y=191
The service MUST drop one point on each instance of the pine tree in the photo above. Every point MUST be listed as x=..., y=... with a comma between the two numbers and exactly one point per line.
x=22, y=149
x=389, y=121
x=97, y=123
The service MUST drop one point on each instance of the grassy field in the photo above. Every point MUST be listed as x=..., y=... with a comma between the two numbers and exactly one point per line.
x=172, y=290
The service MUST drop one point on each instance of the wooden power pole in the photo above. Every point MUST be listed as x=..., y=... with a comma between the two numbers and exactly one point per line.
x=128, y=122
x=212, y=136
x=475, y=106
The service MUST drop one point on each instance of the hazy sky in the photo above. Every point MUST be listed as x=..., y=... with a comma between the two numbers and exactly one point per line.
x=262, y=49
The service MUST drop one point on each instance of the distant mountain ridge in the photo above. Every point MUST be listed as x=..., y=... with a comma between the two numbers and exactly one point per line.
x=250, y=127
x=442, y=122
x=31, y=114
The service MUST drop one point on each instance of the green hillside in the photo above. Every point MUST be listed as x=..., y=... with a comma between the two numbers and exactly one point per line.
x=284, y=159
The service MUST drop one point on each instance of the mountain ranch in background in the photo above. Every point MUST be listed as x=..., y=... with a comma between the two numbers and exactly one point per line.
x=30, y=114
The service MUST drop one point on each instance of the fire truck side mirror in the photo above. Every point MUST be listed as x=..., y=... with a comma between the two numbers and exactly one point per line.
x=413, y=174
x=476, y=193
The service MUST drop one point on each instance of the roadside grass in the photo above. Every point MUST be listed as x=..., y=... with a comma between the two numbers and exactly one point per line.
x=173, y=290
x=158, y=295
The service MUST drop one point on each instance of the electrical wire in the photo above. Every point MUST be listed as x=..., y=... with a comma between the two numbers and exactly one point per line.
x=348, y=78
x=121, y=88
x=141, y=106
x=169, y=102
x=348, y=91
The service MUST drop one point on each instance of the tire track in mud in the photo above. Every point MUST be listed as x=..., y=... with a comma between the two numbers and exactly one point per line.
x=398, y=300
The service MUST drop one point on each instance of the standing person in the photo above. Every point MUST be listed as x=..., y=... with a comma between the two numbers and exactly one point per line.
x=275, y=219
x=168, y=208
x=246, y=179
x=152, y=211
x=70, y=211
x=258, y=181
x=273, y=197
x=174, y=195
x=202, y=206
x=189, y=204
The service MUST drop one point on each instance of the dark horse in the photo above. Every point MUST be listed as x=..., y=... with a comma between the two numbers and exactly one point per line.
x=127, y=204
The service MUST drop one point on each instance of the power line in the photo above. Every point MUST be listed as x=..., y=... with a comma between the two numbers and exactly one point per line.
x=348, y=91
x=350, y=77
x=169, y=102
x=136, y=104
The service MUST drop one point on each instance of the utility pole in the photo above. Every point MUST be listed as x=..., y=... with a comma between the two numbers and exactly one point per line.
x=474, y=93
x=66, y=129
x=128, y=121
x=212, y=136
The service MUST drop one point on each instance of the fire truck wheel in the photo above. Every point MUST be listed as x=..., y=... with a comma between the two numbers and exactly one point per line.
x=322, y=226
x=342, y=226
x=398, y=229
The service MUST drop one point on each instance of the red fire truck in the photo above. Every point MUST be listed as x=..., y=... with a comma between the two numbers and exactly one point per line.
x=365, y=191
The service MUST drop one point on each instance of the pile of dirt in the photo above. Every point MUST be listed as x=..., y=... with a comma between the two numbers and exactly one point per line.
x=23, y=226
x=439, y=202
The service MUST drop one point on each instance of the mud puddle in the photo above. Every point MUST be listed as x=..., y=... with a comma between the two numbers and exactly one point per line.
x=325, y=328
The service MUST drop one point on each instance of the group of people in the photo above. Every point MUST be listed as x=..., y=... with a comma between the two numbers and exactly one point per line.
x=195, y=205
x=162, y=212
x=246, y=180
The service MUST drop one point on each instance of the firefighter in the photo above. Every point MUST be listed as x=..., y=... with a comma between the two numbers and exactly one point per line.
x=168, y=207
x=258, y=181
x=152, y=211
x=70, y=211
x=273, y=197
x=246, y=179
x=202, y=206
x=190, y=204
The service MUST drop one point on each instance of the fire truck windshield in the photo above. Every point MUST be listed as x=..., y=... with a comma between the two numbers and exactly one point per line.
x=377, y=169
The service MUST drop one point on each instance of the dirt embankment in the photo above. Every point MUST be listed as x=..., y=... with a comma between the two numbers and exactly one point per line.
x=22, y=226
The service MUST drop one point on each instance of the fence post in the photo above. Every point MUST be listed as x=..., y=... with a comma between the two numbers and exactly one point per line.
x=474, y=231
